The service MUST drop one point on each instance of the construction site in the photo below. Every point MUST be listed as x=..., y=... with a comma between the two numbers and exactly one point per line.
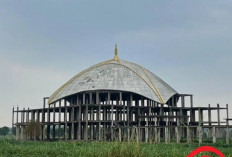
x=117, y=100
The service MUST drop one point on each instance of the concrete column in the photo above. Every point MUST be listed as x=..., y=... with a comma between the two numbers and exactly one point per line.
x=79, y=119
x=227, y=114
x=27, y=116
x=214, y=135
x=158, y=135
x=192, y=115
x=43, y=120
x=17, y=132
x=182, y=101
x=191, y=101
x=139, y=119
x=200, y=130
x=72, y=120
x=17, y=126
x=65, y=120
x=179, y=129
x=48, y=123
x=166, y=134
x=59, y=130
x=91, y=131
x=27, y=121
x=209, y=115
x=146, y=134
x=137, y=134
x=189, y=137
x=98, y=116
x=119, y=134
x=23, y=116
x=86, y=120
x=12, y=117
x=54, y=120
x=200, y=115
x=120, y=98
x=210, y=122
x=178, y=138
x=22, y=133
x=128, y=117
x=90, y=98
x=227, y=135
x=218, y=113
x=111, y=114
x=124, y=113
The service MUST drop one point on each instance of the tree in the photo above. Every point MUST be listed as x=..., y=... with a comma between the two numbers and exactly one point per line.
x=32, y=130
x=4, y=131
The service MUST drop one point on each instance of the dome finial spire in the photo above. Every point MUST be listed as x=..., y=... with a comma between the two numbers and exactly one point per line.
x=116, y=53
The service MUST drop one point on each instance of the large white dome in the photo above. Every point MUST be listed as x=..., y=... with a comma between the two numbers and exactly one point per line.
x=120, y=75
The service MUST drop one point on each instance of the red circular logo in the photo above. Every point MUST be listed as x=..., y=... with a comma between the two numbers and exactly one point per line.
x=206, y=149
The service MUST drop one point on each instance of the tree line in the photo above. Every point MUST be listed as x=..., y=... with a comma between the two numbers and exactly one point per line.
x=6, y=131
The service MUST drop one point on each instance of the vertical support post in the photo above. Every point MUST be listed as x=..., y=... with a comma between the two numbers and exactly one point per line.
x=72, y=120
x=146, y=130
x=43, y=120
x=137, y=134
x=59, y=130
x=182, y=101
x=24, y=125
x=178, y=129
x=79, y=119
x=218, y=114
x=92, y=125
x=189, y=137
x=227, y=114
x=191, y=101
x=128, y=116
x=111, y=115
x=120, y=134
x=48, y=124
x=98, y=116
x=214, y=135
x=166, y=134
x=12, y=117
x=158, y=135
x=200, y=115
x=54, y=120
x=177, y=134
x=22, y=132
x=227, y=135
x=209, y=115
x=200, y=130
x=86, y=119
x=65, y=120
x=146, y=134
x=210, y=122
x=17, y=115
x=17, y=124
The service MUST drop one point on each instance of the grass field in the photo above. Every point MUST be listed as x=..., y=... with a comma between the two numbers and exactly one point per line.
x=13, y=148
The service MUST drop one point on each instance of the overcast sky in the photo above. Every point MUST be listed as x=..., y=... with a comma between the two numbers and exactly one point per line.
x=44, y=43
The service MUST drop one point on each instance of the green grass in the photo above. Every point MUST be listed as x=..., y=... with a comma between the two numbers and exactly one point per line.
x=13, y=148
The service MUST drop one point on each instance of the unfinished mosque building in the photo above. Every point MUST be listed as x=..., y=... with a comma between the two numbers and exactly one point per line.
x=122, y=101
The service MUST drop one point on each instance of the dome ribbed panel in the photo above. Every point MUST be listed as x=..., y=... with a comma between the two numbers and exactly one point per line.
x=116, y=75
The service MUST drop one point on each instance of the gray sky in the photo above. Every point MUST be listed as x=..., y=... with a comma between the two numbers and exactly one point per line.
x=45, y=43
